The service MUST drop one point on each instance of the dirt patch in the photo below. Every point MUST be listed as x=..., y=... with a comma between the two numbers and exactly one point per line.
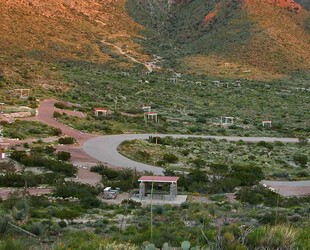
x=119, y=198
x=6, y=192
x=71, y=112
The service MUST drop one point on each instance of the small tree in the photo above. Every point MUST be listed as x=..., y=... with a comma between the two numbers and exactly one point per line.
x=170, y=158
x=300, y=159
x=66, y=140
x=63, y=156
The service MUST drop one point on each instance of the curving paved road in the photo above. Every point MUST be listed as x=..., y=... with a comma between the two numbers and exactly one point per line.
x=289, y=188
x=104, y=148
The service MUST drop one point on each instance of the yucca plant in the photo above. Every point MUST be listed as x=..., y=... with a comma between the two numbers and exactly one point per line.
x=3, y=224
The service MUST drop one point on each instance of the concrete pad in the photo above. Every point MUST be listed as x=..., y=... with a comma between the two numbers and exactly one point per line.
x=161, y=201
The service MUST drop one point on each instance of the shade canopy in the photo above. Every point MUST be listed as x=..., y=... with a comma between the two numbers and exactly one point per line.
x=172, y=179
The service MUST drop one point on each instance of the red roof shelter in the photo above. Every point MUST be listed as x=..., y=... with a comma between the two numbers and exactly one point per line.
x=158, y=179
x=102, y=111
x=171, y=179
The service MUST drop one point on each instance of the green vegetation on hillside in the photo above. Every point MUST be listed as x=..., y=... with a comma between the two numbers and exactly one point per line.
x=193, y=35
x=277, y=160
x=67, y=224
x=181, y=32
x=193, y=104
x=28, y=129
x=304, y=3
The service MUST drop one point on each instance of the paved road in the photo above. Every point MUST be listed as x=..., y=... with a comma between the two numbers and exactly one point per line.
x=289, y=188
x=104, y=148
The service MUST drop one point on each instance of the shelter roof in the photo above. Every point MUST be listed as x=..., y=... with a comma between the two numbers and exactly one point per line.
x=100, y=109
x=158, y=179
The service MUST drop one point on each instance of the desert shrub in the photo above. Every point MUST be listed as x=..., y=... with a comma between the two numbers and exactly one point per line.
x=62, y=224
x=73, y=189
x=63, y=156
x=36, y=228
x=9, y=244
x=168, y=140
x=38, y=201
x=302, y=174
x=170, y=158
x=247, y=175
x=199, y=163
x=57, y=114
x=4, y=221
x=143, y=155
x=26, y=129
x=38, y=160
x=300, y=159
x=282, y=175
x=66, y=213
x=257, y=195
x=57, y=132
x=303, y=240
x=18, y=180
x=185, y=152
x=273, y=237
x=303, y=141
x=125, y=179
x=105, y=171
x=49, y=149
x=84, y=240
x=60, y=105
x=264, y=144
x=90, y=202
x=66, y=140
x=273, y=217
x=131, y=203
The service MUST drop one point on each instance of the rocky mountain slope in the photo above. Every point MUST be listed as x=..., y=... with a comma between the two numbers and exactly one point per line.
x=35, y=33
x=256, y=39
x=234, y=38
x=304, y=3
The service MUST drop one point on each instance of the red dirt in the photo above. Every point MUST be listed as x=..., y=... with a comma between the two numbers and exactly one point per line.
x=45, y=115
x=71, y=112
x=209, y=17
x=87, y=177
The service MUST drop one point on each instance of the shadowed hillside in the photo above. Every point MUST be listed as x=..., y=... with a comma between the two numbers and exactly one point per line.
x=243, y=39
x=255, y=39
x=36, y=33
x=304, y=3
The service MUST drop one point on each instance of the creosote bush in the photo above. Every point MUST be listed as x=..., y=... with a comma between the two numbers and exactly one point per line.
x=66, y=140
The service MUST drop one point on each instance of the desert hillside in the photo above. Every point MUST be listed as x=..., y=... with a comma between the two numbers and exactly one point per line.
x=254, y=39
x=248, y=38
x=36, y=33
